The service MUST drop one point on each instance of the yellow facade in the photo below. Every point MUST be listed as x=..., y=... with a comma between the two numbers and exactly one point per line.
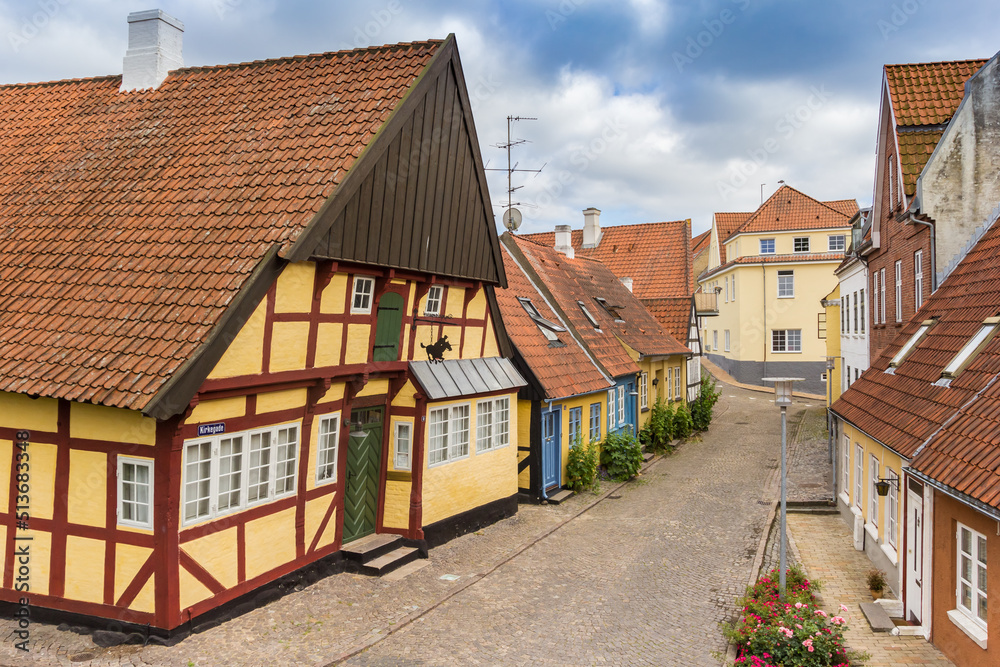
x=833, y=377
x=281, y=400
x=315, y=511
x=289, y=343
x=128, y=560
x=245, y=354
x=88, y=485
x=218, y=409
x=97, y=422
x=33, y=414
x=270, y=542
x=216, y=553
x=84, y=569
x=294, y=290
x=523, y=438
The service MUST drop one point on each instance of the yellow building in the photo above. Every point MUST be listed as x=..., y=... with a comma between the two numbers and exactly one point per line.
x=830, y=328
x=221, y=374
x=771, y=269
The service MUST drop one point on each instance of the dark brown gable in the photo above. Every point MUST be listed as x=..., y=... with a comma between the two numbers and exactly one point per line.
x=416, y=198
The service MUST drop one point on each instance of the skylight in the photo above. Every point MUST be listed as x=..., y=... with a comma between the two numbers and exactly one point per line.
x=548, y=328
x=611, y=310
x=590, y=317
x=973, y=347
x=915, y=339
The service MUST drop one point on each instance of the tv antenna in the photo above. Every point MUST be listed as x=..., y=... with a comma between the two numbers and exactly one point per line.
x=512, y=217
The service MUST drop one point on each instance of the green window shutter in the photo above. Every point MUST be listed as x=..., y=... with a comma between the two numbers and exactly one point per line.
x=387, y=330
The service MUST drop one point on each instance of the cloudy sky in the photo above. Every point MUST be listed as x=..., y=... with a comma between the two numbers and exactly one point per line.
x=647, y=109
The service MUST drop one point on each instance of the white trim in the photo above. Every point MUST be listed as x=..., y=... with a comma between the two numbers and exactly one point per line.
x=499, y=429
x=439, y=300
x=147, y=463
x=450, y=447
x=890, y=553
x=643, y=390
x=808, y=245
x=789, y=274
x=966, y=625
x=335, y=418
x=370, y=293
x=396, y=464
x=872, y=530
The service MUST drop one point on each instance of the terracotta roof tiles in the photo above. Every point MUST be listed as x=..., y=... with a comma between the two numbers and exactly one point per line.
x=928, y=93
x=788, y=209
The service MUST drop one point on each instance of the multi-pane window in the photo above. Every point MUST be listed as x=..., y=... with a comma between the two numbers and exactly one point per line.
x=449, y=434
x=835, y=243
x=402, y=443
x=845, y=308
x=727, y=339
x=875, y=318
x=326, y=452
x=727, y=289
x=854, y=310
x=786, y=340
x=232, y=471
x=845, y=468
x=859, y=475
x=492, y=424
x=715, y=340
x=918, y=279
x=972, y=574
x=872, y=493
x=135, y=492
x=800, y=244
x=611, y=409
x=734, y=286
x=677, y=383
x=861, y=310
x=975, y=344
x=621, y=405
x=786, y=284
x=899, y=290
x=575, y=426
x=892, y=507
x=434, y=295
x=361, y=302
x=882, y=283
x=644, y=390
x=767, y=246
x=595, y=422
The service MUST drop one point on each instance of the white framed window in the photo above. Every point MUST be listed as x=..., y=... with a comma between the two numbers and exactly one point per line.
x=859, y=475
x=677, y=383
x=845, y=468
x=975, y=344
x=232, y=471
x=715, y=340
x=727, y=289
x=611, y=409
x=434, y=298
x=767, y=246
x=835, y=242
x=873, y=475
x=786, y=284
x=595, y=422
x=590, y=316
x=786, y=340
x=918, y=279
x=899, y=290
x=861, y=310
x=670, y=383
x=726, y=337
x=575, y=426
x=402, y=441
x=971, y=589
x=492, y=424
x=449, y=434
x=734, y=286
x=326, y=450
x=621, y=405
x=882, y=276
x=875, y=318
x=135, y=492
x=845, y=307
x=892, y=507
x=361, y=303
x=644, y=390
x=800, y=244
x=911, y=343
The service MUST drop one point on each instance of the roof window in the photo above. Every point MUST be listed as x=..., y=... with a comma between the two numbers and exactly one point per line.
x=611, y=310
x=590, y=317
x=915, y=339
x=549, y=329
x=971, y=349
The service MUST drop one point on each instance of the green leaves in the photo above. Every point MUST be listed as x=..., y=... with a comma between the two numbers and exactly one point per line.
x=621, y=455
x=581, y=466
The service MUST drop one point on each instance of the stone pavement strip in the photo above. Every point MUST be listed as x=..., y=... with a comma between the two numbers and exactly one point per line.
x=642, y=576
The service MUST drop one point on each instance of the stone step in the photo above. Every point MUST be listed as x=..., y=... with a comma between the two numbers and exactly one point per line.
x=647, y=457
x=561, y=496
x=390, y=561
x=371, y=547
x=877, y=617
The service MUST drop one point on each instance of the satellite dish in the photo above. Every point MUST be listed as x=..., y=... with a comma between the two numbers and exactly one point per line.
x=512, y=219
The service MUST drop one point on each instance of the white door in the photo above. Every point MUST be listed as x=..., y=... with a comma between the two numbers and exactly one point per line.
x=914, y=555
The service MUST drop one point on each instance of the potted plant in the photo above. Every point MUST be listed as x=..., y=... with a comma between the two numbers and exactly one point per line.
x=876, y=582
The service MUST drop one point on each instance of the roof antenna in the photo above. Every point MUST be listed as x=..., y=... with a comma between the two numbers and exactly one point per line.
x=512, y=216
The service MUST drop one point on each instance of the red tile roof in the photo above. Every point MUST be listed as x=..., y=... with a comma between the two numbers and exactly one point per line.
x=905, y=410
x=915, y=148
x=654, y=255
x=561, y=371
x=928, y=93
x=726, y=224
x=776, y=259
x=129, y=221
x=700, y=243
x=674, y=315
x=788, y=209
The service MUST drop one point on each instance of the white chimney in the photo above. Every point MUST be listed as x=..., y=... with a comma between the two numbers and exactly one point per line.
x=564, y=240
x=591, y=227
x=627, y=282
x=155, y=47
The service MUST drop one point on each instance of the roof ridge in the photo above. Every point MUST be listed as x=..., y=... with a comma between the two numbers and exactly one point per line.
x=938, y=62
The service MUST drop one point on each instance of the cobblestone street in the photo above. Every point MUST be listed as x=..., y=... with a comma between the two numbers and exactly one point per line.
x=642, y=574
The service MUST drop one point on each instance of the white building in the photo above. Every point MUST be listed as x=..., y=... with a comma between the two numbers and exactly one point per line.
x=854, y=303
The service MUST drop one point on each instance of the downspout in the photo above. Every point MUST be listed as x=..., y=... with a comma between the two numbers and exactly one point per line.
x=914, y=219
x=763, y=291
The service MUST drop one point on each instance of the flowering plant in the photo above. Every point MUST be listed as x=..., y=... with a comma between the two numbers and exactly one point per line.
x=795, y=632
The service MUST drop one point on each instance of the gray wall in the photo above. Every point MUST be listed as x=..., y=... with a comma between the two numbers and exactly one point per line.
x=751, y=372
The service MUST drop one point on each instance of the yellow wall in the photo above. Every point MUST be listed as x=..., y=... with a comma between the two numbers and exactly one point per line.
x=97, y=422
x=833, y=347
x=294, y=291
x=20, y=412
x=84, y=569
x=88, y=488
x=270, y=542
x=397, y=505
x=244, y=354
x=218, y=409
x=128, y=560
x=289, y=342
x=315, y=510
x=887, y=459
x=523, y=434
x=281, y=400
x=480, y=478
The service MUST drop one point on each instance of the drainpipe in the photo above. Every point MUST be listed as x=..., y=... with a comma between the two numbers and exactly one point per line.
x=763, y=290
x=914, y=219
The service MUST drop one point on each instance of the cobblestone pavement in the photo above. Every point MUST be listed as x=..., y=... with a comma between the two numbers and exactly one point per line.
x=828, y=555
x=643, y=575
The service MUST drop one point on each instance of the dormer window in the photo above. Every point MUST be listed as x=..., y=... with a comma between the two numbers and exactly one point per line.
x=590, y=317
x=611, y=310
x=915, y=339
x=971, y=349
x=548, y=329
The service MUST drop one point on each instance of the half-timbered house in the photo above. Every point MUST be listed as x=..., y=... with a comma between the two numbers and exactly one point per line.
x=247, y=317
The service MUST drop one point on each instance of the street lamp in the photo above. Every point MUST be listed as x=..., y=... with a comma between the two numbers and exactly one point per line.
x=831, y=365
x=783, y=398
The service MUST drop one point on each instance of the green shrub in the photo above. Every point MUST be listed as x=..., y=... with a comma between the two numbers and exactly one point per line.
x=681, y=422
x=621, y=455
x=701, y=407
x=656, y=435
x=581, y=466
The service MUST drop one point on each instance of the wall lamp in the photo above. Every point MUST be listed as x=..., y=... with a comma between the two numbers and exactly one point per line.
x=882, y=485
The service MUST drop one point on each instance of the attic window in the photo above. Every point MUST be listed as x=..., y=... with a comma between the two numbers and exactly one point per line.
x=912, y=343
x=548, y=329
x=590, y=317
x=611, y=310
x=971, y=349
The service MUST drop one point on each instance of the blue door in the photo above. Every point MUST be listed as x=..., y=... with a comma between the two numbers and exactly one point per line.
x=550, y=449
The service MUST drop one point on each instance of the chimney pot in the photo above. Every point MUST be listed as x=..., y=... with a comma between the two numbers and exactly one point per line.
x=591, y=227
x=564, y=240
x=155, y=48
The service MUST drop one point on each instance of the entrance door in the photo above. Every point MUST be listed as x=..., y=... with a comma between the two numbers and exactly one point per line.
x=914, y=555
x=550, y=449
x=364, y=454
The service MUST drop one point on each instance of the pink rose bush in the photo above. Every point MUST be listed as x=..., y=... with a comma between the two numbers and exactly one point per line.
x=793, y=633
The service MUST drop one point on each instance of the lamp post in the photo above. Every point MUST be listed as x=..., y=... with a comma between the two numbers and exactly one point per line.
x=783, y=398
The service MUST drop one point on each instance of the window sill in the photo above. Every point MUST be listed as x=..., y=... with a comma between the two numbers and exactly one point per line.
x=788, y=352
x=890, y=552
x=969, y=627
x=790, y=296
x=644, y=409
x=846, y=499
x=872, y=530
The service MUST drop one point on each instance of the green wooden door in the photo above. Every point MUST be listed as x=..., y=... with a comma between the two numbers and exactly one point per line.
x=364, y=454
x=388, y=327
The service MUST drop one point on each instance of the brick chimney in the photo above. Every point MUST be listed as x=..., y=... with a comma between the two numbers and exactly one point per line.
x=591, y=227
x=155, y=47
x=564, y=240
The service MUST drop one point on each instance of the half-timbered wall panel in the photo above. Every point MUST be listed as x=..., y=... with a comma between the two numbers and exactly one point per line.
x=244, y=354
x=523, y=441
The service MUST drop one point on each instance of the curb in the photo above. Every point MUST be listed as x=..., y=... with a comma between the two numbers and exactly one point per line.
x=473, y=580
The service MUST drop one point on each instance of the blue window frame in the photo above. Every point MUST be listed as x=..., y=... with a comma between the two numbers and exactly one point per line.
x=575, y=426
